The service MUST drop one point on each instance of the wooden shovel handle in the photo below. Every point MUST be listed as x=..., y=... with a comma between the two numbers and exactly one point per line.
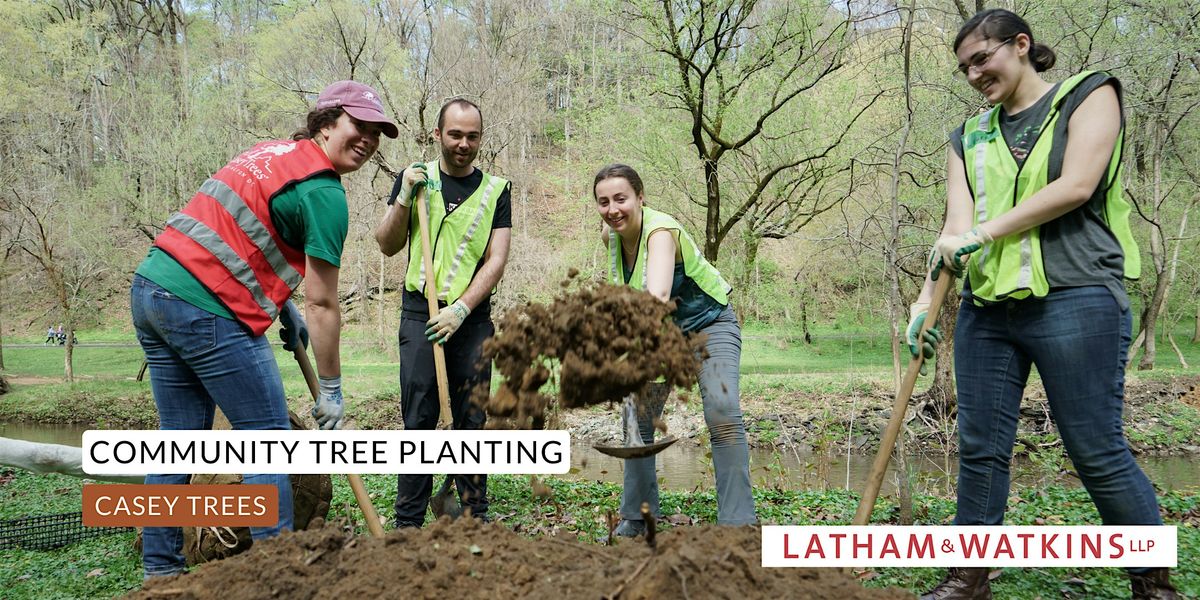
x=445, y=419
x=356, y=483
x=900, y=406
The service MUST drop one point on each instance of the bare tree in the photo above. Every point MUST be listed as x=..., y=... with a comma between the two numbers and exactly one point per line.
x=737, y=67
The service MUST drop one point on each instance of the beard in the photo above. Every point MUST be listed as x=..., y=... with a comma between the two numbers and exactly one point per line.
x=453, y=157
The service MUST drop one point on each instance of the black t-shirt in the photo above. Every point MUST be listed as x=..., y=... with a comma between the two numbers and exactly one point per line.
x=1078, y=248
x=455, y=191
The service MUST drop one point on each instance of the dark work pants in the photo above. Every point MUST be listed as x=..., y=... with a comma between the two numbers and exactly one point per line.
x=1079, y=339
x=419, y=405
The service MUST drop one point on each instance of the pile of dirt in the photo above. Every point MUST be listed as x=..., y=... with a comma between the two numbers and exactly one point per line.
x=605, y=341
x=465, y=559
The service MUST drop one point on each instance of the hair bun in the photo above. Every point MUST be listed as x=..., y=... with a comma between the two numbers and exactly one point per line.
x=1042, y=57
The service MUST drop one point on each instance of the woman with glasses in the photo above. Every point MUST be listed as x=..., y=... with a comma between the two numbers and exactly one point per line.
x=1037, y=227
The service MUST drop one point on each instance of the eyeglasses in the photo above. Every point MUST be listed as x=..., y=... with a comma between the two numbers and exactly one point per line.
x=980, y=59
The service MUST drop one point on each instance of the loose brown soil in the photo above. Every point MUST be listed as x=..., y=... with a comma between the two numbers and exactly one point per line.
x=464, y=559
x=608, y=341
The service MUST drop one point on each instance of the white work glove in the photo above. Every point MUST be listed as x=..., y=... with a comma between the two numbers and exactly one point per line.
x=448, y=320
x=414, y=176
x=951, y=251
x=330, y=408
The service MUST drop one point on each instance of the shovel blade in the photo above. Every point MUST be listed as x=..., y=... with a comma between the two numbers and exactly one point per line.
x=445, y=501
x=637, y=451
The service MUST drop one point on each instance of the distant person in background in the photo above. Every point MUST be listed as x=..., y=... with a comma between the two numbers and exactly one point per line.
x=649, y=250
x=225, y=267
x=50, y=335
x=1037, y=225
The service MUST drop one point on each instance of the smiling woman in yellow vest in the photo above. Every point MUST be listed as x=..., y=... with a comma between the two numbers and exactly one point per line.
x=1037, y=226
x=649, y=250
x=222, y=271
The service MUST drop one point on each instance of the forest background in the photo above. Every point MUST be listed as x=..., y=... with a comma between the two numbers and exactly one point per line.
x=803, y=141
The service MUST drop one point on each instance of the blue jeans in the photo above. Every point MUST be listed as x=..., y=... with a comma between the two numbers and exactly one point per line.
x=722, y=414
x=1079, y=339
x=197, y=361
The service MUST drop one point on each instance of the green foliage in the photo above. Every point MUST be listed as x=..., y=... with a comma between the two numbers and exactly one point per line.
x=109, y=567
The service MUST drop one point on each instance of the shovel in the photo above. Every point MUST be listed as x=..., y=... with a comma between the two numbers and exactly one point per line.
x=356, y=483
x=900, y=406
x=634, y=446
x=444, y=501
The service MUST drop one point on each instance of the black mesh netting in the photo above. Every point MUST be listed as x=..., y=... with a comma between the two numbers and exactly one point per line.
x=45, y=532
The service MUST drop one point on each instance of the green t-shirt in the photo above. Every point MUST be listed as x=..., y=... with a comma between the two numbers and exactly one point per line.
x=311, y=214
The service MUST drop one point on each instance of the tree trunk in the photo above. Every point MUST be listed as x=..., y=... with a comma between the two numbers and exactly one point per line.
x=744, y=278
x=942, y=394
x=69, y=353
x=896, y=312
x=1158, y=256
x=1148, y=323
x=380, y=299
x=712, y=221
x=53, y=458
x=1, y=333
x=1196, y=334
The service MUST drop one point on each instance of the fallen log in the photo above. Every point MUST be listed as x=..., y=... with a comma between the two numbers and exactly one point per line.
x=53, y=458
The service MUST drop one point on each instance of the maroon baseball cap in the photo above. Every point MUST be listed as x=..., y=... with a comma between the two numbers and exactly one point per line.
x=359, y=101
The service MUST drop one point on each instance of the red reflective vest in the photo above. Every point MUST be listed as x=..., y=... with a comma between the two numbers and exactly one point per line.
x=224, y=236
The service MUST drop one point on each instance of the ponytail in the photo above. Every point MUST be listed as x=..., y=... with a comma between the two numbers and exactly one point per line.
x=317, y=120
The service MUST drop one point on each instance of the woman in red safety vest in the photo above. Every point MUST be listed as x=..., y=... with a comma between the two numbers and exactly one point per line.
x=225, y=267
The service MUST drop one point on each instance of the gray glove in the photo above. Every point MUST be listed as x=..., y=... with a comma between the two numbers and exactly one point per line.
x=330, y=407
x=292, y=328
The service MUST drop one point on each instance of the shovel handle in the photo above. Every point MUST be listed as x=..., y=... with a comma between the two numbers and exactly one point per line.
x=356, y=482
x=445, y=419
x=900, y=406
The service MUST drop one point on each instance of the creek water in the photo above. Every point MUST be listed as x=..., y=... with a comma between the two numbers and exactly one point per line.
x=686, y=466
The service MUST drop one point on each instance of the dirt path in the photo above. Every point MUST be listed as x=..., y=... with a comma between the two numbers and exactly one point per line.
x=464, y=559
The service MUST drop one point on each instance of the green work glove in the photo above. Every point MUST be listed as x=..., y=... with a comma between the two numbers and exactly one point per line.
x=447, y=321
x=414, y=177
x=928, y=343
x=951, y=251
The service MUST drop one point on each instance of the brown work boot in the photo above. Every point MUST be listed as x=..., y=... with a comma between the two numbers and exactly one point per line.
x=1153, y=585
x=962, y=583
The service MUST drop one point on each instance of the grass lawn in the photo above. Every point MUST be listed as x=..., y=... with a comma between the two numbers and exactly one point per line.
x=108, y=567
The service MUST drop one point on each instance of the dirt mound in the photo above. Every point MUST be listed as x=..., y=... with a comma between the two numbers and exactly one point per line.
x=607, y=341
x=464, y=559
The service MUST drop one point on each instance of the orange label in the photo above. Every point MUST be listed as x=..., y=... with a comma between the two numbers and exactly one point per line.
x=180, y=505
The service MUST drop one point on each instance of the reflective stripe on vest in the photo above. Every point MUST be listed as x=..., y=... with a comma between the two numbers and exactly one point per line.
x=458, y=242
x=258, y=232
x=1013, y=267
x=224, y=236
x=695, y=266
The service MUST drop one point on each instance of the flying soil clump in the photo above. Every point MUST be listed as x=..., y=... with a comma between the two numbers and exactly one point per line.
x=608, y=341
